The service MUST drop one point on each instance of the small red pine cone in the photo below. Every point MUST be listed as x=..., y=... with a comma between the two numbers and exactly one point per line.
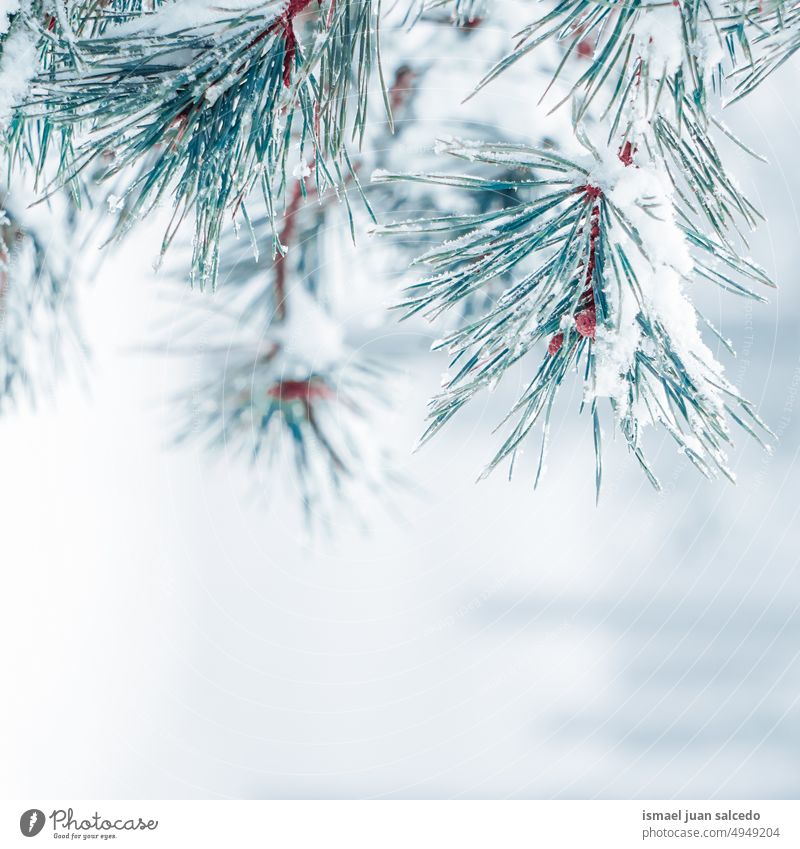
x=585, y=48
x=626, y=154
x=586, y=323
x=555, y=344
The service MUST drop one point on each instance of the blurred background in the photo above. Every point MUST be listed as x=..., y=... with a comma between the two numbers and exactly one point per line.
x=172, y=631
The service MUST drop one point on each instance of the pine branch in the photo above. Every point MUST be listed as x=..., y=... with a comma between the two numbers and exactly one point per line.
x=598, y=267
x=555, y=262
x=206, y=113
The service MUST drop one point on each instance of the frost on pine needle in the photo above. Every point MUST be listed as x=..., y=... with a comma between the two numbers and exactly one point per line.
x=18, y=65
x=767, y=35
x=199, y=104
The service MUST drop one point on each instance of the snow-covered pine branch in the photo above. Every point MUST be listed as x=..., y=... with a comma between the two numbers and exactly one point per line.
x=575, y=234
x=603, y=246
x=204, y=103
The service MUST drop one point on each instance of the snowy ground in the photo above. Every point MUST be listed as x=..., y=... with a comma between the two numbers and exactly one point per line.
x=167, y=635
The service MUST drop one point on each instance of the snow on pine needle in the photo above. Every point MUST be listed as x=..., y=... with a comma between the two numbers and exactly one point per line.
x=633, y=52
x=202, y=103
x=601, y=264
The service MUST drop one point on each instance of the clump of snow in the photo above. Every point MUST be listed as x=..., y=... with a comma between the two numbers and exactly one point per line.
x=18, y=65
x=660, y=258
x=709, y=49
x=8, y=8
x=114, y=203
x=615, y=349
x=644, y=195
x=301, y=170
x=658, y=38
